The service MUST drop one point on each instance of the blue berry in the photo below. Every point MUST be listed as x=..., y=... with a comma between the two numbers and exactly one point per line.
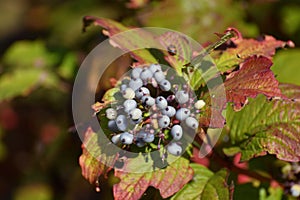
x=143, y=91
x=135, y=114
x=159, y=76
x=126, y=138
x=169, y=111
x=174, y=149
x=116, y=139
x=163, y=121
x=135, y=84
x=182, y=114
x=111, y=113
x=112, y=125
x=182, y=96
x=122, y=122
x=135, y=72
x=165, y=85
x=161, y=102
x=176, y=132
x=149, y=138
x=123, y=87
x=146, y=74
x=192, y=122
x=129, y=104
x=149, y=101
x=140, y=143
x=154, y=67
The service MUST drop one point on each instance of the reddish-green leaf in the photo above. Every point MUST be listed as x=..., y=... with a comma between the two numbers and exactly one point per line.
x=138, y=39
x=205, y=185
x=254, y=77
x=268, y=126
x=93, y=162
x=243, y=48
x=178, y=49
x=169, y=180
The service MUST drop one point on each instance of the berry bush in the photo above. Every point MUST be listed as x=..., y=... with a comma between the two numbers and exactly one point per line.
x=168, y=133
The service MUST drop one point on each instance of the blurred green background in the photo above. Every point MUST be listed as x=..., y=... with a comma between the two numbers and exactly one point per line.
x=42, y=47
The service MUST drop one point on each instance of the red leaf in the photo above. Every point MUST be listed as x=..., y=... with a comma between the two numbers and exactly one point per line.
x=168, y=180
x=254, y=77
x=92, y=162
x=240, y=49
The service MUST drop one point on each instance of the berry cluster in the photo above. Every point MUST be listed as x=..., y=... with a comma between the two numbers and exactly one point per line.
x=154, y=107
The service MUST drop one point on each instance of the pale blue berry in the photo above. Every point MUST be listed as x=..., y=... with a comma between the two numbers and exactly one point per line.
x=182, y=114
x=159, y=76
x=129, y=104
x=116, y=139
x=182, y=96
x=149, y=138
x=165, y=85
x=176, y=132
x=122, y=122
x=154, y=67
x=143, y=91
x=174, y=149
x=192, y=122
x=135, y=114
x=126, y=138
x=112, y=125
x=161, y=102
x=146, y=74
x=163, y=121
x=135, y=72
x=135, y=84
x=170, y=111
x=148, y=100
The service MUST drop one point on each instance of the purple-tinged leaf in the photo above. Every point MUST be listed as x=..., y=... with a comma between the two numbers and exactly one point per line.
x=170, y=180
x=93, y=162
x=138, y=39
x=254, y=77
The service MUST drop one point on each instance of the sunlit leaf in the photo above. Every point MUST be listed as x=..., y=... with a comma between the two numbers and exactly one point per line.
x=139, y=39
x=20, y=82
x=33, y=54
x=268, y=126
x=242, y=48
x=254, y=77
x=93, y=161
x=205, y=185
x=67, y=67
x=168, y=181
x=286, y=66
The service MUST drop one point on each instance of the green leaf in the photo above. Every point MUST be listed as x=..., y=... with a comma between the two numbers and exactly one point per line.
x=39, y=191
x=205, y=185
x=29, y=54
x=268, y=126
x=286, y=66
x=20, y=82
x=133, y=184
x=139, y=39
x=93, y=161
x=275, y=194
x=67, y=67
